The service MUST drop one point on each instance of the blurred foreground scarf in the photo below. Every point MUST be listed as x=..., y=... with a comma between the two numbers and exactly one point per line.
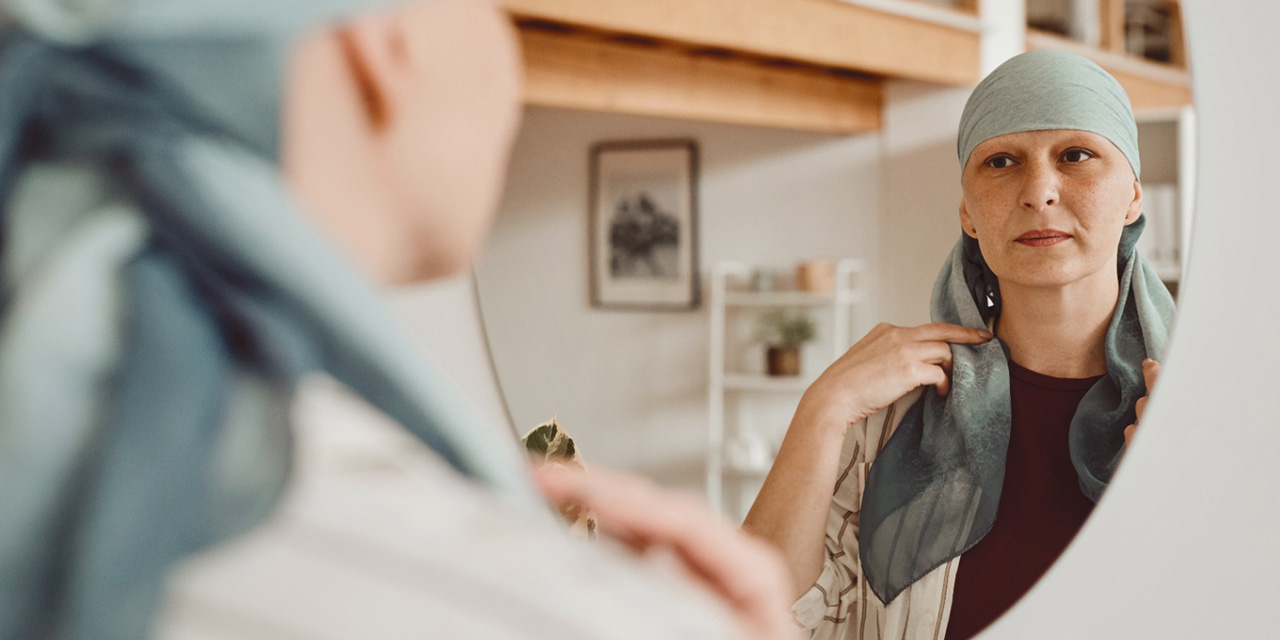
x=151, y=338
x=933, y=490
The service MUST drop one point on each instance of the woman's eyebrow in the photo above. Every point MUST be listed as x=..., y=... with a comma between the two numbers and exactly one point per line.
x=995, y=150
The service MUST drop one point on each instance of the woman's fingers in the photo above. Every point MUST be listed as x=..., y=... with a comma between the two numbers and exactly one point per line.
x=1150, y=370
x=943, y=332
x=648, y=516
x=935, y=349
x=745, y=573
x=926, y=374
x=944, y=386
x=937, y=354
x=884, y=365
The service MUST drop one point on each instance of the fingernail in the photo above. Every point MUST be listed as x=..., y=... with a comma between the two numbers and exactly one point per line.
x=986, y=334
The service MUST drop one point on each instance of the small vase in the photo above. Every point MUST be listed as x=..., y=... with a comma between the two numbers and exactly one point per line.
x=784, y=361
x=816, y=276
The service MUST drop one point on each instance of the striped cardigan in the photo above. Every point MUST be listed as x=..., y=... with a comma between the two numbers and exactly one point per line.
x=840, y=605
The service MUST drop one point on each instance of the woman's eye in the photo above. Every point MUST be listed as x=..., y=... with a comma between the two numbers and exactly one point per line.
x=1076, y=155
x=1000, y=162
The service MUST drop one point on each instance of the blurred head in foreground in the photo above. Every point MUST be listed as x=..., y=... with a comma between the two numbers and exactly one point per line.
x=195, y=197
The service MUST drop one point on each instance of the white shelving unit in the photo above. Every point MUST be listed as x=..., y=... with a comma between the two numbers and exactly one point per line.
x=840, y=304
x=1166, y=141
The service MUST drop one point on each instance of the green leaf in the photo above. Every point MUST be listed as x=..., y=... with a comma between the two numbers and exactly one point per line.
x=539, y=440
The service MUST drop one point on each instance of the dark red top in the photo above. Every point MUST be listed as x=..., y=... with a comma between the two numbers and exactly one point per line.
x=1041, y=505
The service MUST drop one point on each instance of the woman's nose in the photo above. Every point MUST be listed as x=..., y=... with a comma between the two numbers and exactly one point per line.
x=1039, y=187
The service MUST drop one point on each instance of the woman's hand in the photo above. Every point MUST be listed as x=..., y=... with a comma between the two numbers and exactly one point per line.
x=1150, y=369
x=747, y=575
x=884, y=366
x=791, y=510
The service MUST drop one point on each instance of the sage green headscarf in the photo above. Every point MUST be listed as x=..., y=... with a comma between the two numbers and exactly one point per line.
x=1043, y=90
x=933, y=491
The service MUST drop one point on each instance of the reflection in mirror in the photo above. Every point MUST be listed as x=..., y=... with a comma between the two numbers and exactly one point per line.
x=1050, y=219
x=632, y=386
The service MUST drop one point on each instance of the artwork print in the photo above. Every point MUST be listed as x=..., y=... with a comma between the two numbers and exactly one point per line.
x=643, y=225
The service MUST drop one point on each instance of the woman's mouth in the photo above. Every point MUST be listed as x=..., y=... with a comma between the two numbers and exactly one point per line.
x=1043, y=237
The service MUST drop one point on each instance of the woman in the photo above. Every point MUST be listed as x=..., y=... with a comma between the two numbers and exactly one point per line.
x=1044, y=320
x=197, y=200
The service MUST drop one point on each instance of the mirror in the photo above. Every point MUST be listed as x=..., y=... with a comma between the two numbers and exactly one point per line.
x=649, y=391
x=1180, y=546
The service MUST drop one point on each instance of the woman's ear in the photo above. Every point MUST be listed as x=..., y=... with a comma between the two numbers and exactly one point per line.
x=374, y=50
x=1135, y=207
x=966, y=223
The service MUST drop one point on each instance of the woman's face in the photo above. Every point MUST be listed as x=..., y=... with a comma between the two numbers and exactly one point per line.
x=1048, y=207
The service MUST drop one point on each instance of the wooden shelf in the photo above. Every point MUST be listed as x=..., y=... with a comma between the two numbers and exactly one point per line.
x=822, y=33
x=1150, y=85
x=610, y=74
x=812, y=65
x=963, y=16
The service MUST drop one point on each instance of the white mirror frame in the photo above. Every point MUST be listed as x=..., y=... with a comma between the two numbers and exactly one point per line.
x=1186, y=542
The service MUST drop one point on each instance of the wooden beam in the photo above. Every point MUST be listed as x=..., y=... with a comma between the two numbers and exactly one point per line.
x=596, y=74
x=827, y=33
x=1177, y=36
x=1148, y=93
x=1111, y=14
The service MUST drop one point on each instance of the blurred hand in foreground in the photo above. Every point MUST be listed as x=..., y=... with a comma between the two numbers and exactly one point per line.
x=747, y=575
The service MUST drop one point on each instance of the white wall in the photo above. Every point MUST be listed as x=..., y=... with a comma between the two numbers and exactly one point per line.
x=920, y=194
x=632, y=386
x=920, y=219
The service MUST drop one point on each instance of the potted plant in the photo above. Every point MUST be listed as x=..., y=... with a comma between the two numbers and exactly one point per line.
x=784, y=334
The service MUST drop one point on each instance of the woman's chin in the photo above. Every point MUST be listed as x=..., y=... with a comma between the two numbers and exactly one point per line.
x=1043, y=279
x=1040, y=274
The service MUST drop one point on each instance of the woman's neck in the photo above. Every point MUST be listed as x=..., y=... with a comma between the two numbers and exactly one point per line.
x=1059, y=331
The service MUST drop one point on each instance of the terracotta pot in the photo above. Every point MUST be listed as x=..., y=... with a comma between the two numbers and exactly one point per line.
x=784, y=361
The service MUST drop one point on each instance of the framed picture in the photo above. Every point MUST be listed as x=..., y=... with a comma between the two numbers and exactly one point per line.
x=644, y=225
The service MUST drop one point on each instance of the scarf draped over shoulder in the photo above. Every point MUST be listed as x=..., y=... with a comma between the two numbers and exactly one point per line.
x=161, y=297
x=934, y=489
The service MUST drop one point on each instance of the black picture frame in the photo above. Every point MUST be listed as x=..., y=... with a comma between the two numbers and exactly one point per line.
x=643, y=225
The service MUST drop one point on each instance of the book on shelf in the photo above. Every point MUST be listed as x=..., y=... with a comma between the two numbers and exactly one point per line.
x=1161, y=241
